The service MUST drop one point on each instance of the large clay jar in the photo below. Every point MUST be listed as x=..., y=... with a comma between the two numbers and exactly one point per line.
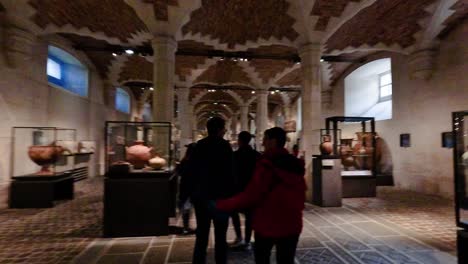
x=326, y=148
x=44, y=156
x=138, y=154
x=157, y=163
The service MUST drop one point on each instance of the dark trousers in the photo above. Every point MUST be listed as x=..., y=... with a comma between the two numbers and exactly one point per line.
x=285, y=249
x=248, y=225
x=205, y=213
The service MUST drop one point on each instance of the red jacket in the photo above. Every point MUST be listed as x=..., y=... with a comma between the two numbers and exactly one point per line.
x=276, y=195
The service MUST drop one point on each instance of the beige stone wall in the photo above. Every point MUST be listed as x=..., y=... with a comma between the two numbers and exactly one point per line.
x=423, y=109
x=26, y=99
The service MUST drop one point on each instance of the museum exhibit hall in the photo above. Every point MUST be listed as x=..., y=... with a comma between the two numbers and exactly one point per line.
x=108, y=152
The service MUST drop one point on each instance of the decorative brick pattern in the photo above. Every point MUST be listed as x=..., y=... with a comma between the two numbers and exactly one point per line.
x=113, y=17
x=161, y=8
x=326, y=9
x=267, y=69
x=136, y=68
x=242, y=21
x=224, y=72
x=185, y=64
x=293, y=78
x=461, y=13
x=386, y=21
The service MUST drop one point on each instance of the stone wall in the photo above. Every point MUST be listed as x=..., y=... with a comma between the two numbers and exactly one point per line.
x=423, y=109
x=26, y=99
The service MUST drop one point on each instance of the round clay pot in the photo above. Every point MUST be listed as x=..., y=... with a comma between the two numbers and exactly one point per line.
x=44, y=156
x=157, y=163
x=348, y=161
x=138, y=154
x=326, y=148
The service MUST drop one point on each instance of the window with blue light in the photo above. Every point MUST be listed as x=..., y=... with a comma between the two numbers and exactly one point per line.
x=122, y=101
x=67, y=72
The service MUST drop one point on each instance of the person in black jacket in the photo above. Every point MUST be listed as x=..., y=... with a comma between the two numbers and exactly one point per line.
x=213, y=179
x=245, y=159
x=183, y=170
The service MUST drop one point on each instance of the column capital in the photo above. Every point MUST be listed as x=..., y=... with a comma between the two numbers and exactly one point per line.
x=421, y=63
x=261, y=92
x=309, y=48
x=163, y=40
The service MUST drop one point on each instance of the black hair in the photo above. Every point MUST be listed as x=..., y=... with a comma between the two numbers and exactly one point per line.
x=277, y=133
x=244, y=137
x=214, y=125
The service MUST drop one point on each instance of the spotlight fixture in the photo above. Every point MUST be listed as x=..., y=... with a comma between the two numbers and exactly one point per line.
x=234, y=59
x=253, y=92
x=297, y=63
x=129, y=51
x=221, y=59
x=114, y=54
x=322, y=60
x=151, y=89
x=277, y=91
x=215, y=103
x=272, y=92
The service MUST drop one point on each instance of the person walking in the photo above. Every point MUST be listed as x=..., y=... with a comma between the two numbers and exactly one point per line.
x=185, y=174
x=213, y=179
x=276, y=194
x=245, y=159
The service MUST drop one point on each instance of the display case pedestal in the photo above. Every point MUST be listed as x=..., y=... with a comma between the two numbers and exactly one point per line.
x=33, y=191
x=326, y=178
x=358, y=185
x=462, y=246
x=138, y=203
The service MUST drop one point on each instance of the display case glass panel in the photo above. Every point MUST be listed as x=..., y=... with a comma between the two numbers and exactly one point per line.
x=357, y=144
x=460, y=133
x=41, y=151
x=145, y=145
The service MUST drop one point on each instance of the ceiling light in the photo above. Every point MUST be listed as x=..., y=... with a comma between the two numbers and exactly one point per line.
x=234, y=59
x=215, y=103
x=142, y=88
x=221, y=59
x=114, y=54
x=272, y=92
x=297, y=63
x=277, y=91
x=253, y=92
x=129, y=51
x=151, y=89
x=322, y=60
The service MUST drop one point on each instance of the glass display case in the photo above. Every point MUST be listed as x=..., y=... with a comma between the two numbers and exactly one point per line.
x=142, y=146
x=42, y=151
x=357, y=146
x=460, y=152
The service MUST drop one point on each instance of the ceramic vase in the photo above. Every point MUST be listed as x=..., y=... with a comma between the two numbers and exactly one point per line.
x=157, y=163
x=44, y=156
x=138, y=154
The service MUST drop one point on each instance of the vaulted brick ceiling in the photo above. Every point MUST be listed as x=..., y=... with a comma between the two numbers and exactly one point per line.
x=267, y=68
x=327, y=9
x=161, y=8
x=291, y=79
x=112, y=17
x=461, y=13
x=136, y=68
x=386, y=21
x=224, y=72
x=238, y=21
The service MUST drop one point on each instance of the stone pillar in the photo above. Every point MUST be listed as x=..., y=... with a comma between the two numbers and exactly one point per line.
x=261, y=117
x=244, y=117
x=421, y=64
x=234, y=131
x=18, y=46
x=311, y=106
x=185, y=115
x=164, y=49
x=109, y=99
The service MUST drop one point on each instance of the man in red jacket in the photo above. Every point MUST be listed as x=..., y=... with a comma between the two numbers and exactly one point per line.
x=276, y=195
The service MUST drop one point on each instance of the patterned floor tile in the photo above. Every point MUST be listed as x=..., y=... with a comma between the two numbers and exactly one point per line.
x=318, y=256
x=345, y=240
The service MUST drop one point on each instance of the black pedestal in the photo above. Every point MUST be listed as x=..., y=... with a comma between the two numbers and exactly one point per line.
x=138, y=204
x=462, y=246
x=326, y=178
x=33, y=191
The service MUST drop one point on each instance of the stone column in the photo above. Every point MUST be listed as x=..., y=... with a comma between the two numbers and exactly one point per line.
x=185, y=116
x=421, y=64
x=261, y=117
x=164, y=49
x=311, y=106
x=109, y=99
x=18, y=46
x=244, y=117
x=234, y=131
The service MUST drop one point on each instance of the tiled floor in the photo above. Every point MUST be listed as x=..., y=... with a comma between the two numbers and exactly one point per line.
x=396, y=227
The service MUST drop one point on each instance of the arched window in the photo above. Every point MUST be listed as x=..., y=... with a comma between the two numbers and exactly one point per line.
x=122, y=101
x=368, y=90
x=67, y=72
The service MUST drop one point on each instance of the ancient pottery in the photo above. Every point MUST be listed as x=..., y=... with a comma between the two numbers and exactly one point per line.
x=138, y=154
x=326, y=148
x=157, y=163
x=44, y=156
